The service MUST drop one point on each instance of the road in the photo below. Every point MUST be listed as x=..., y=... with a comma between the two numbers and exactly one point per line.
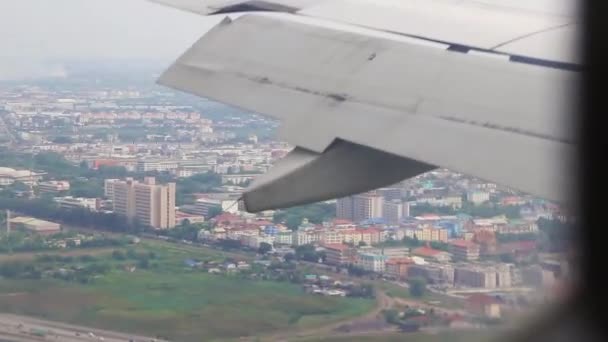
x=21, y=329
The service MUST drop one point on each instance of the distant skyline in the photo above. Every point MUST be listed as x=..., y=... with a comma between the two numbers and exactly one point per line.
x=34, y=33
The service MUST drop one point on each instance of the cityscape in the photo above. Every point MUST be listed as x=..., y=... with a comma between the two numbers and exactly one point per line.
x=133, y=193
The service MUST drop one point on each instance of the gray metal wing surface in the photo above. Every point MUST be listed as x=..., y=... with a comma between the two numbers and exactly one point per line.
x=367, y=107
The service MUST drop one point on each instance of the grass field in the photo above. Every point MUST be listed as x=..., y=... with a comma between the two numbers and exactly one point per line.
x=451, y=336
x=175, y=302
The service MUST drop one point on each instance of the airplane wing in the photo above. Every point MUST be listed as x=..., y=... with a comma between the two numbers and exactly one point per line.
x=372, y=92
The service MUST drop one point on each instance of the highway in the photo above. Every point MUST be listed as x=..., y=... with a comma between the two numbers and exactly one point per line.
x=26, y=329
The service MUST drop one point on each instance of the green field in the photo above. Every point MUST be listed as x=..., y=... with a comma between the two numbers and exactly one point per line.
x=173, y=301
x=451, y=336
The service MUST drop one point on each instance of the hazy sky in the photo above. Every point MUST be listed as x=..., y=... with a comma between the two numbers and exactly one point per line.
x=42, y=29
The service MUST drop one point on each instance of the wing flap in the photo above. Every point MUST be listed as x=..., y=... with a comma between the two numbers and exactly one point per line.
x=344, y=169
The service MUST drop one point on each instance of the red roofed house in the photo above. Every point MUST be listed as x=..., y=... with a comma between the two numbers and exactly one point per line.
x=432, y=254
x=180, y=217
x=227, y=220
x=483, y=305
x=343, y=223
x=464, y=250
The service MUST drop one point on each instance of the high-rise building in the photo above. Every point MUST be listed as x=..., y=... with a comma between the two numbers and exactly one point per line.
x=150, y=203
x=344, y=208
x=392, y=211
x=390, y=194
x=406, y=209
x=366, y=206
x=108, y=187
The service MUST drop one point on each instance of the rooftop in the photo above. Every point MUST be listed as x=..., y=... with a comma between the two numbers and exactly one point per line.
x=463, y=243
x=426, y=251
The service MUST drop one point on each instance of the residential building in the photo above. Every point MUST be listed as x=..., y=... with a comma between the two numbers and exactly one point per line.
x=237, y=179
x=431, y=254
x=301, y=237
x=475, y=276
x=339, y=254
x=53, y=186
x=398, y=267
x=108, y=187
x=372, y=262
x=333, y=236
x=181, y=217
x=9, y=176
x=284, y=238
x=484, y=276
x=483, y=305
x=150, y=203
x=537, y=276
x=440, y=274
x=451, y=200
x=518, y=227
x=34, y=225
x=478, y=197
x=464, y=250
x=69, y=202
x=429, y=234
x=207, y=206
x=395, y=252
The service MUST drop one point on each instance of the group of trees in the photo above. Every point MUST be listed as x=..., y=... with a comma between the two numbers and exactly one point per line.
x=143, y=259
x=554, y=235
x=315, y=213
x=485, y=210
x=417, y=286
x=309, y=253
x=36, y=270
x=202, y=182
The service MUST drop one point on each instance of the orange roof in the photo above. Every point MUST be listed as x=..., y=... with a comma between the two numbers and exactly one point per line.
x=426, y=251
x=338, y=222
x=397, y=261
x=463, y=243
x=367, y=230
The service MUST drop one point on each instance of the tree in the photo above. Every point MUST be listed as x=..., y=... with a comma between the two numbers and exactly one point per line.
x=391, y=316
x=264, y=248
x=417, y=286
x=293, y=222
x=315, y=213
x=289, y=257
x=62, y=139
x=362, y=243
x=118, y=255
x=143, y=263
x=442, y=246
